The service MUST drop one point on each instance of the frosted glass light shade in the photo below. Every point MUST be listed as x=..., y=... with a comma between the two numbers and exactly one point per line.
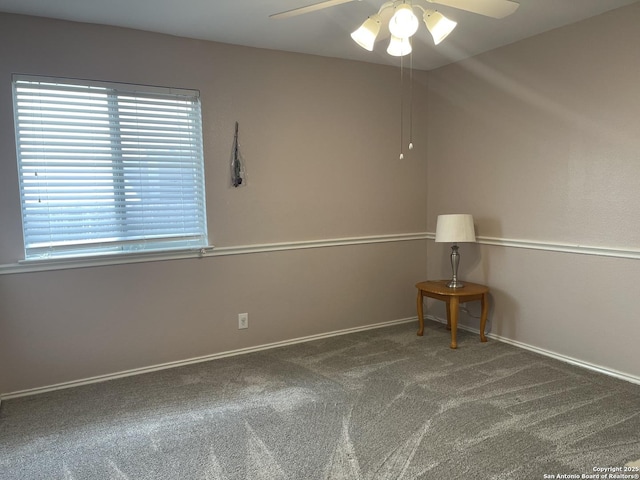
x=438, y=25
x=455, y=228
x=404, y=23
x=365, y=36
x=399, y=47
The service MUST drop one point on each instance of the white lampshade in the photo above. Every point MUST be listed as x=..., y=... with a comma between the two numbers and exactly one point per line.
x=438, y=25
x=365, y=36
x=404, y=23
x=399, y=47
x=455, y=228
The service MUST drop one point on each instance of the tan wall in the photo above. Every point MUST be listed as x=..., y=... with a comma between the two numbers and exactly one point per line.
x=320, y=141
x=539, y=140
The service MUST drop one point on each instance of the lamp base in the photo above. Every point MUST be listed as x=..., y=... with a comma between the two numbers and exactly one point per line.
x=455, y=260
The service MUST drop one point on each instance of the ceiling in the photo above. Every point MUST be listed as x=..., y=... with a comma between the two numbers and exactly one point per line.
x=325, y=32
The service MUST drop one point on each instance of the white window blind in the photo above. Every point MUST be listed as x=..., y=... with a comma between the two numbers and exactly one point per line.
x=107, y=168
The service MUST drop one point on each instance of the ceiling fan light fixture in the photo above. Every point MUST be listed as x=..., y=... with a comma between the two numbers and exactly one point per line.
x=399, y=47
x=404, y=22
x=365, y=36
x=438, y=25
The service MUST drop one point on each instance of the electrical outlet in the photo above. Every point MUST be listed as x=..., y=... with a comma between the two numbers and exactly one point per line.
x=243, y=320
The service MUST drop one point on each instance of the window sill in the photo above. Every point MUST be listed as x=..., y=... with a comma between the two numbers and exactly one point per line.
x=26, y=266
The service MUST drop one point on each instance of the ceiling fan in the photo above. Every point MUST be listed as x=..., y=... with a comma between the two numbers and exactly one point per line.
x=489, y=8
x=404, y=23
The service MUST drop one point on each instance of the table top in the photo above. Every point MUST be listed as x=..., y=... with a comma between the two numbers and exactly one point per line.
x=439, y=287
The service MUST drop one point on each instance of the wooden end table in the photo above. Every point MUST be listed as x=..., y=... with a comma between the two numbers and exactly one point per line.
x=453, y=297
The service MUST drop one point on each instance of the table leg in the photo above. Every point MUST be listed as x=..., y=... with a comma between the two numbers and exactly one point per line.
x=448, y=316
x=420, y=314
x=454, y=320
x=484, y=301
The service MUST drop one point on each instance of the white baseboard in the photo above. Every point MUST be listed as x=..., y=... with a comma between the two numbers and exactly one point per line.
x=547, y=353
x=206, y=358
x=242, y=351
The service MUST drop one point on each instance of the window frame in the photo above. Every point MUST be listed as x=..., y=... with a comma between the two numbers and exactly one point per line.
x=187, y=108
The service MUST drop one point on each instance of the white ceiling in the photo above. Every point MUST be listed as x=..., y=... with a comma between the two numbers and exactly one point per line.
x=325, y=32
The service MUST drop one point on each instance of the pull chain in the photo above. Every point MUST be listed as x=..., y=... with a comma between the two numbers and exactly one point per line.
x=411, y=99
x=401, y=107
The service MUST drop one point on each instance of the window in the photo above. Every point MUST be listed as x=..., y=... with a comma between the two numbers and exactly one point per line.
x=108, y=168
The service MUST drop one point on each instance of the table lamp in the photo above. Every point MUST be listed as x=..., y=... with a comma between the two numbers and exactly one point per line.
x=455, y=229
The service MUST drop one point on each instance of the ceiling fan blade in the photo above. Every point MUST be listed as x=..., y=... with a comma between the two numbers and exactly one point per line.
x=489, y=8
x=309, y=8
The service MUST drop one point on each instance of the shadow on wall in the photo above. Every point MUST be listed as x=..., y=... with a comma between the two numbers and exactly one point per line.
x=489, y=227
x=498, y=322
x=503, y=310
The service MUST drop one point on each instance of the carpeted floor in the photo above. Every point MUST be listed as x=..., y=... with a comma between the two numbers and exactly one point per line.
x=381, y=404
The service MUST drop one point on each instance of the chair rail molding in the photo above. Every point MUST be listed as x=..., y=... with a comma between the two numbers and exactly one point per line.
x=556, y=247
x=210, y=251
